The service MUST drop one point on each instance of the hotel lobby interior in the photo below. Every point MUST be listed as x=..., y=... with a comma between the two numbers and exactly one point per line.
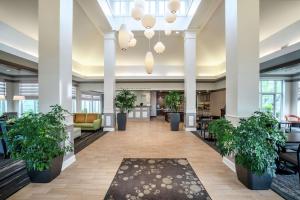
x=150, y=99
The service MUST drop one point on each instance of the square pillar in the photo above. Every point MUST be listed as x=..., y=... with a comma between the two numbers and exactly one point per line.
x=190, y=80
x=55, y=60
x=109, y=81
x=242, y=58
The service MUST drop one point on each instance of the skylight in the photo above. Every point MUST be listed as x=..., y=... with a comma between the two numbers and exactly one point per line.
x=122, y=8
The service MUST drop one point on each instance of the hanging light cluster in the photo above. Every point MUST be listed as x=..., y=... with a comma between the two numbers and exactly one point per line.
x=126, y=37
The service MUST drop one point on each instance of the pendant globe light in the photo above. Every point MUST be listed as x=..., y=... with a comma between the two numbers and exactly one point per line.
x=132, y=42
x=149, y=61
x=159, y=47
x=171, y=18
x=137, y=13
x=123, y=37
x=148, y=21
x=174, y=5
x=149, y=33
x=168, y=32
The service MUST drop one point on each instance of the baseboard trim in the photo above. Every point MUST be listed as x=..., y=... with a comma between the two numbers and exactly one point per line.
x=68, y=162
x=190, y=129
x=229, y=164
x=109, y=129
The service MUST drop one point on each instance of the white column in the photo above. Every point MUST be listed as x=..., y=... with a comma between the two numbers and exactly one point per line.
x=55, y=53
x=9, y=96
x=242, y=58
x=55, y=59
x=78, y=99
x=294, y=98
x=109, y=80
x=190, y=80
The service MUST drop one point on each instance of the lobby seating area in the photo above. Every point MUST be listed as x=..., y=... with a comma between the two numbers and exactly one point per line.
x=87, y=121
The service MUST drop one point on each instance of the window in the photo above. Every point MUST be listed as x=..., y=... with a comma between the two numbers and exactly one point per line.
x=74, y=103
x=3, y=102
x=31, y=93
x=271, y=97
x=153, y=7
x=91, y=103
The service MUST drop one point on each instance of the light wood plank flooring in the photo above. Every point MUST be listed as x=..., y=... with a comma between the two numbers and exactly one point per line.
x=90, y=176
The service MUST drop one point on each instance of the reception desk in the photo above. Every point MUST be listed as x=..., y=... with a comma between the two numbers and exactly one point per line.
x=139, y=113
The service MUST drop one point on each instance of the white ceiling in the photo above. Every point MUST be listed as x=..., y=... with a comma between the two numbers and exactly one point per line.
x=90, y=23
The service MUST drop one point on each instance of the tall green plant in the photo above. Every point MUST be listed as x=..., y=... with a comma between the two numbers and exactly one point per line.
x=223, y=130
x=173, y=101
x=38, y=138
x=254, y=142
x=125, y=100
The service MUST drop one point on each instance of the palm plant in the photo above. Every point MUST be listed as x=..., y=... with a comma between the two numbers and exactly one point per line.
x=173, y=101
x=125, y=100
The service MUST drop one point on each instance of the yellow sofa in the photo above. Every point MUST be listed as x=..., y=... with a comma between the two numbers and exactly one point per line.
x=87, y=121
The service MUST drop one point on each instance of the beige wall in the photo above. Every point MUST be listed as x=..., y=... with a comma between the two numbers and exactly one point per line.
x=217, y=101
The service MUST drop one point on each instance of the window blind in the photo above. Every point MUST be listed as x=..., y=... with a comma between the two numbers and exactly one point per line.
x=3, y=88
x=73, y=92
x=29, y=89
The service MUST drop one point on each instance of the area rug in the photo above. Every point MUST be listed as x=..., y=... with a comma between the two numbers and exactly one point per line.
x=155, y=179
x=87, y=138
x=287, y=186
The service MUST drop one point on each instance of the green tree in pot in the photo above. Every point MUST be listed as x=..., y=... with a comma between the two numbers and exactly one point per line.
x=255, y=144
x=39, y=139
x=173, y=101
x=125, y=101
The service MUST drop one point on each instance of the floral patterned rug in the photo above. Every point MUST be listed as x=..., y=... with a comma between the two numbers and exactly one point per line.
x=168, y=179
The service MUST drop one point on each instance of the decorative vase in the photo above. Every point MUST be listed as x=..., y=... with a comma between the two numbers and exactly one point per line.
x=47, y=175
x=121, y=120
x=253, y=181
x=174, y=121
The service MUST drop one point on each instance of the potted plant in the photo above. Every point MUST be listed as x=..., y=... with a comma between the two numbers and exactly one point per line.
x=255, y=143
x=125, y=101
x=39, y=140
x=173, y=101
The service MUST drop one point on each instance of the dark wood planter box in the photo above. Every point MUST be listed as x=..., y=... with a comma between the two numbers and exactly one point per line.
x=121, y=120
x=48, y=175
x=253, y=181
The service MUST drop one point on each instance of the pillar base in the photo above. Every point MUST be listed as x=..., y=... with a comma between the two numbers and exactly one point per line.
x=190, y=121
x=108, y=129
x=109, y=121
x=190, y=129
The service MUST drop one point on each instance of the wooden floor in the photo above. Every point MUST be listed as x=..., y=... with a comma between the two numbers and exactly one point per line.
x=90, y=176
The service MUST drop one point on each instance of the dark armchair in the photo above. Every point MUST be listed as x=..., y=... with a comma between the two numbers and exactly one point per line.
x=291, y=155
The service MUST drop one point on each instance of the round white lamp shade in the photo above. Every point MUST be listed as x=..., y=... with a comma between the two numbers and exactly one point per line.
x=149, y=62
x=148, y=21
x=139, y=4
x=174, y=5
x=159, y=47
x=171, y=18
x=149, y=33
x=131, y=35
x=168, y=32
x=132, y=42
x=137, y=13
x=124, y=37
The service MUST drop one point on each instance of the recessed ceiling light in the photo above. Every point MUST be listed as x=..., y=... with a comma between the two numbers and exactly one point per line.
x=8, y=70
x=177, y=32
